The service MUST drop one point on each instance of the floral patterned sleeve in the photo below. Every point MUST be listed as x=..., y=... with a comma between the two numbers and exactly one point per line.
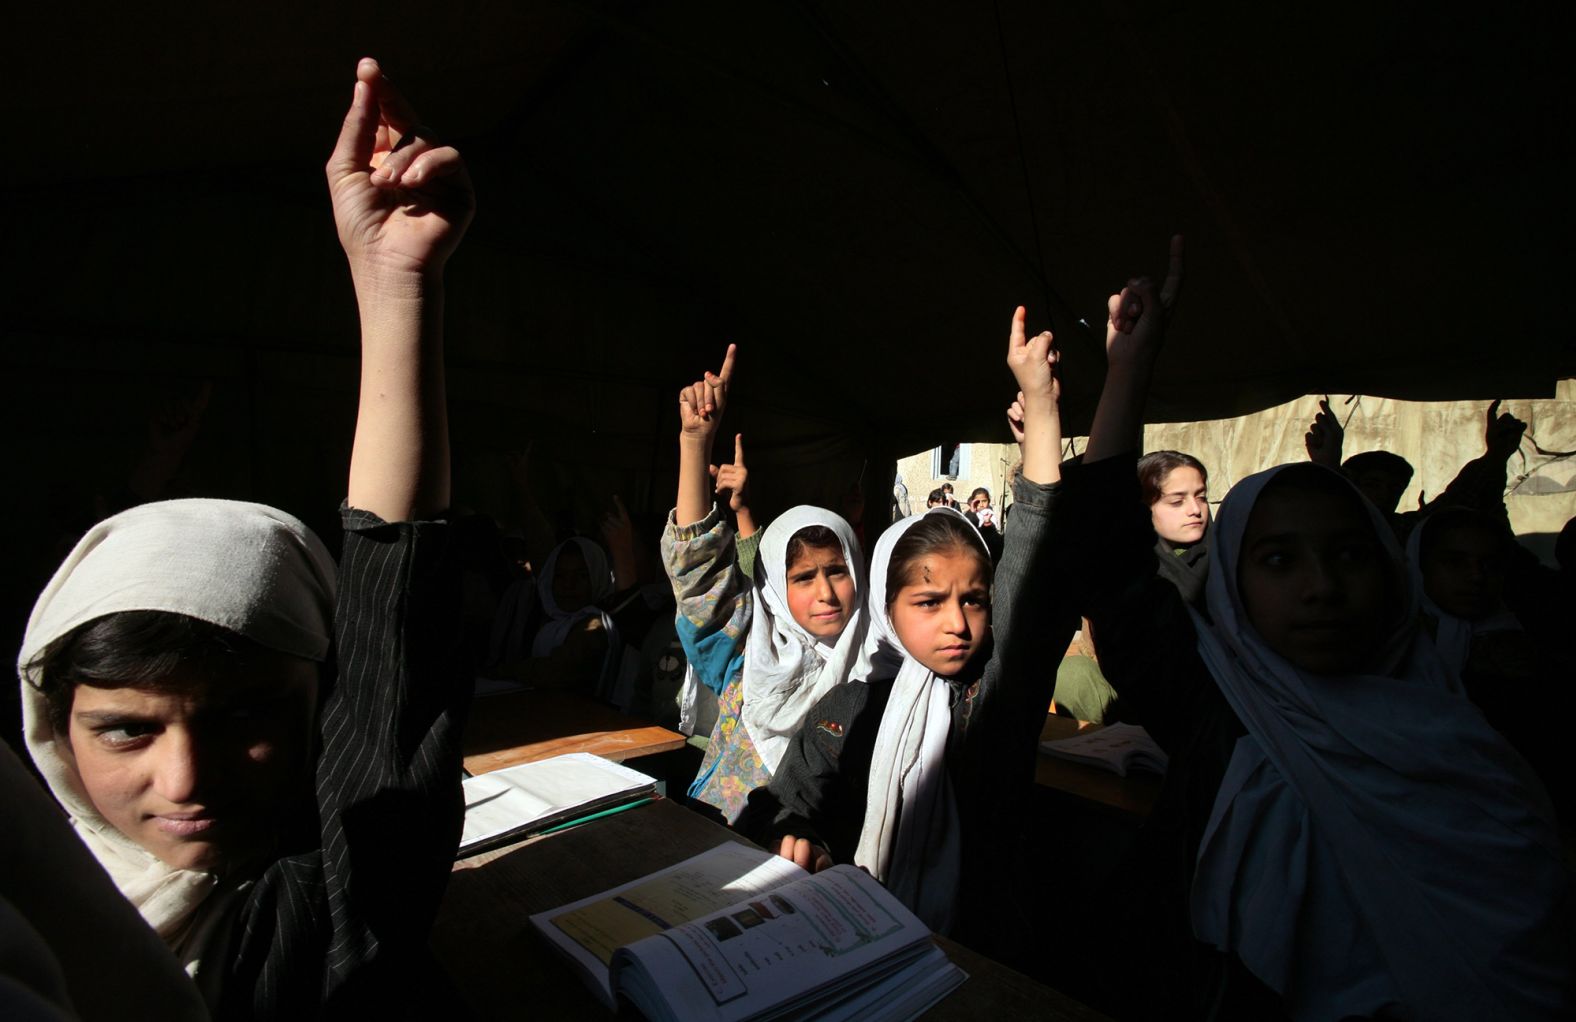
x=713, y=596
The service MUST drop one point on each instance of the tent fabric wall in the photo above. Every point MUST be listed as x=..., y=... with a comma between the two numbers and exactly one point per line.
x=1436, y=437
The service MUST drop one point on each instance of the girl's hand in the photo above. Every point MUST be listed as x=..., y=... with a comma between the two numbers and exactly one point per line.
x=1015, y=419
x=618, y=535
x=1033, y=364
x=1325, y=437
x=1502, y=434
x=702, y=403
x=733, y=479
x=618, y=532
x=401, y=201
x=1138, y=314
x=804, y=855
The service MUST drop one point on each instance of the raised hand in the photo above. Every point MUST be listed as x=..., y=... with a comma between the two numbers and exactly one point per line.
x=1138, y=313
x=1502, y=433
x=702, y=403
x=618, y=535
x=733, y=479
x=401, y=201
x=1015, y=419
x=1032, y=361
x=1325, y=437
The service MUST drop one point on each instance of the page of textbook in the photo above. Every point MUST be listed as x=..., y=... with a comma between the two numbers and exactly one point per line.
x=791, y=945
x=590, y=930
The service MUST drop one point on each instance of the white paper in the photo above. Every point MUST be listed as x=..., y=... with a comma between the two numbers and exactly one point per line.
x=543, y=792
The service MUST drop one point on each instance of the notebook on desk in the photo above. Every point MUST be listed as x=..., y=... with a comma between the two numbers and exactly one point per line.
x=507, y=805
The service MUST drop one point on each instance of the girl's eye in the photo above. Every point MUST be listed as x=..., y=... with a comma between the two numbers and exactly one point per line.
x=127, y=733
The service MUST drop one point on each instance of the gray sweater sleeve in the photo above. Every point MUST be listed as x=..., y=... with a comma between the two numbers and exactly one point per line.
x=1032, y=621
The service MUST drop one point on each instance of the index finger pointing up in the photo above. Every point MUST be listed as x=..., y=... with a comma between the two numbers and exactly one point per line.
x=738, y=448
x=398, y=113
x=727, y=364
x=357, y=136
x=1016, y=336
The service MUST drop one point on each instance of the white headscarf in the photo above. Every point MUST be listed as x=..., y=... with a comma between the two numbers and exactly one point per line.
x=910, y=840
x=248, y=568
x=1374, y=842
x=1452, y=635
x=786, y=669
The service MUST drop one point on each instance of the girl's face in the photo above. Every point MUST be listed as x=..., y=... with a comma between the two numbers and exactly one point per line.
x=1181, y=515
x=1464, y=573
x=571, y=579
x=1314, y=580
x=196, y=772
x=942, y=614
x=820, y=592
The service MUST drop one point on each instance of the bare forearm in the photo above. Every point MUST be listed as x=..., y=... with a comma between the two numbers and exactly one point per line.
x=694, y=497
x=1042, y=441
x=746, y=522
x=399, y=465
x=1119, y=418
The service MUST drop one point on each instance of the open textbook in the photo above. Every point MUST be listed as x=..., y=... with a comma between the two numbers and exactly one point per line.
x=1115, y=747
x=737, y=933
x=506, y=805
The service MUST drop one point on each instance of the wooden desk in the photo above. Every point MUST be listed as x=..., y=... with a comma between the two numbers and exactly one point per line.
x=503, y=969
x=522, y=727
x=1133, y=795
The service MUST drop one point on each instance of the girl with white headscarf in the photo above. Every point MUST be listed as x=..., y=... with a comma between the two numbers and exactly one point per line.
x=261, y=752
x=767, y=648
x=912, y=775
x=1340, y=829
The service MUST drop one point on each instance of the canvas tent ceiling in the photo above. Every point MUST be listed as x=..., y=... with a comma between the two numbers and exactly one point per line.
x=856, y=193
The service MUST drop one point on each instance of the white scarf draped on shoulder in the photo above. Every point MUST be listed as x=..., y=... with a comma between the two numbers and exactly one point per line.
x=1374, y=843
x=246, y=567
x=786, y=669
x=910, y=839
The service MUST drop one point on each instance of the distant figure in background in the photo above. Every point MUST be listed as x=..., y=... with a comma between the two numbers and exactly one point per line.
x=983, y=517
x=947, y=498
x=937, y=498
x=900, y=506
x=1175, y=486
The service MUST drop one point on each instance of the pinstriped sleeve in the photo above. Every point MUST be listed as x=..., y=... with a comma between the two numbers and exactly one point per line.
x=342, y=928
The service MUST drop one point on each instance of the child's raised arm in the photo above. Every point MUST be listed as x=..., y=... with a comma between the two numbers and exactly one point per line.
x=401, y=204
x=701, y=405
x=1033, y=365
x=1132, y=342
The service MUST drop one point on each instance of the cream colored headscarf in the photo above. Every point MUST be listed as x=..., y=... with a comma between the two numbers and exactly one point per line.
x=786, y=669
x=245, y=567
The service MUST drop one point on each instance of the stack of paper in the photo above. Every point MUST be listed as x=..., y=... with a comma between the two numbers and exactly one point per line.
x=1115, y=747
x=506, y=805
